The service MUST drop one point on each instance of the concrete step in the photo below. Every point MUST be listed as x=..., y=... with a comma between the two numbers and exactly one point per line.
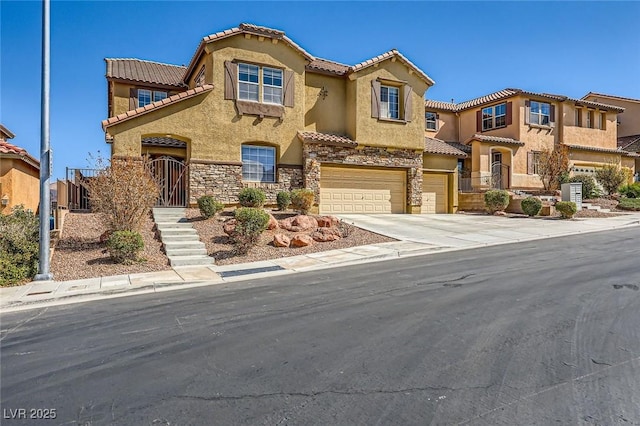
x=199, y=251
x=177, y=245
x=170, y=219
x=177, y=231
x=190, y=260
x=169, y=210
x=180, y=238
x=173, y=225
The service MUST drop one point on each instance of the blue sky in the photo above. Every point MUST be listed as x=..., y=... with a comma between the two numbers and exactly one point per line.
x=468, y=48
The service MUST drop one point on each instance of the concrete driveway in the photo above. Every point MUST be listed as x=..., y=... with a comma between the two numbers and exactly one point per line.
x=470, y=230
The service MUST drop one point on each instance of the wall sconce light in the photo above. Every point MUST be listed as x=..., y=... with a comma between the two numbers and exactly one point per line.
x=323, y=93
x=4, y=201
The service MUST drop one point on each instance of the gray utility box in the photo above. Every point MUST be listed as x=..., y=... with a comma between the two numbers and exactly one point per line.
x=573, y=192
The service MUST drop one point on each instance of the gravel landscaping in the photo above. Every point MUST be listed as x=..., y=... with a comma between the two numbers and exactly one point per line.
x=220, y=246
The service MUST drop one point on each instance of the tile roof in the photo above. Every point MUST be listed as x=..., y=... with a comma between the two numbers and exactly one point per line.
x=508, y=93
x=462, y=147
x=326, y=138
x=325, y=65
x=244, y=28
x=393, y=53
x=145, y=71
x=437, y=146
x=8, y=134
x=599, y=149
x=16, y=151
x=495, y=139
x=602, y=95
x=163, y=141
x=629, y=143
x=156, y=105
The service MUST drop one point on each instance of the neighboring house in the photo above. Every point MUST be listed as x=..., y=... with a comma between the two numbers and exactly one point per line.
x=19, y=176
x=508, y=129
x=254, y=109
x=628, y=122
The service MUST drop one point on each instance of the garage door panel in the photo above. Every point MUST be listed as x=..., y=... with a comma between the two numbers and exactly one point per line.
x=435, y=193
x=353, y=190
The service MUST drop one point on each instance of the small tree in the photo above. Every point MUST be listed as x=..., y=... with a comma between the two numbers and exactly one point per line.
x=250, y=224
x=124, y=192
x=611, y=176
x=553, y=166
x=18, y=246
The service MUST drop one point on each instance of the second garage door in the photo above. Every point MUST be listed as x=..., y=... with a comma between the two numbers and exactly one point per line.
x=361, y=190
x=435, y=191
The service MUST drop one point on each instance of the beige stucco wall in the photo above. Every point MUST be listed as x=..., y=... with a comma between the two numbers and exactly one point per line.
x=122, y=92
x=447, y=127
x=328, y=114
x=373, y=132
x=207, y=61
x=210, y=123
x=629, y=119
x=574, y=135
x=21, y=183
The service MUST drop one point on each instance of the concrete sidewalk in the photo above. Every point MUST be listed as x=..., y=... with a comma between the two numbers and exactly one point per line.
x=416, y=235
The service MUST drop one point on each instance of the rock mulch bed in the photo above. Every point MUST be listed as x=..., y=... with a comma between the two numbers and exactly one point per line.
x=303, y=235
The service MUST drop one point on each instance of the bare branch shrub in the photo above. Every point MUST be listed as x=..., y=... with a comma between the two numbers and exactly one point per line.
x=123, y=191
x=553, y=166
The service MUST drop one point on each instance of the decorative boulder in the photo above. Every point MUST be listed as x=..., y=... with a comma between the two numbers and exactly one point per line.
x=280, y=240
x=273, y=223
x=301, y=241
x=229, y=227
x=324, y=221
x=323, y=235
x=299, y=223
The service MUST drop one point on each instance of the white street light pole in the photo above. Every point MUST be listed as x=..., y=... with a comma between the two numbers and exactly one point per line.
x=45, y=151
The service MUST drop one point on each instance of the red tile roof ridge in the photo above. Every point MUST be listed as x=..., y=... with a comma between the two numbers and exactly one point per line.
x=9, y=148
x=388, y=55
x=156, y=105
x=146, y=60
x=622, y=98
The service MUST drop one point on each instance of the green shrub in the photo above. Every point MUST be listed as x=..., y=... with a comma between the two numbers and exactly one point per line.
x=496, y=200
x=589, y=188
x=252, y=197
x=631, y=191
x=629, y=204
x=531, y=206
x=302, y=200
x=19, y=246
x=611, y=176
x=124, y=246
x=250, y=223
x=566, y=208
x=283, y=198
x=209, y=206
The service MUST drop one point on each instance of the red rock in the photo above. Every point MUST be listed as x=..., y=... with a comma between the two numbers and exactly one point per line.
x=301, y=241
x=326, y=234
x=273, y=223
x=324, y=222
x=305, y=222
x=229, y=227
x=280, y=240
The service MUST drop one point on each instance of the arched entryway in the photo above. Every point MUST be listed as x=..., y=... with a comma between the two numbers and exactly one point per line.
x=500, y=166
x=168, y=165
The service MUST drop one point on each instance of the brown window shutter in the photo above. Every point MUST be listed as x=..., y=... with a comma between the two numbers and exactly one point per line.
x=230, y=79
x=509, y=113
x=552, y=115
x=437, y=121
x=530, y=160
x=289, y=88
x=375, y=99
x=479, y=121
x=527, y=109
x=133, y=99
x=408, y=105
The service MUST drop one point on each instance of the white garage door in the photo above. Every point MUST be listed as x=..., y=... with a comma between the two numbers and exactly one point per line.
x=435, y=192
x=361, y=190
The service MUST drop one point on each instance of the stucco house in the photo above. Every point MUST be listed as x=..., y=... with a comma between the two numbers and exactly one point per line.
x=507, y=129
x=628, y=122
x=19, y=175
x=255, y=109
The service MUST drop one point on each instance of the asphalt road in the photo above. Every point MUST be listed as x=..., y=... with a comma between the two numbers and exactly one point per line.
x=540, y=333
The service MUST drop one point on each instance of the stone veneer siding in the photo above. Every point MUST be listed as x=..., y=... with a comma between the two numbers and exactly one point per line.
x=315, y=154
x=224, y=181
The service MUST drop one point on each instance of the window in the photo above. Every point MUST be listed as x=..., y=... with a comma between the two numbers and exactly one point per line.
x=603, y=121
x=145, y=96
x=389, y=102
x=272, y=85
x=494, y=117
x=540, y=113
x=590, y=119
x=258, y=163
x=578, y=119
x=249, y=84
x=533, y=162
x=431, y=120
x=199, y=80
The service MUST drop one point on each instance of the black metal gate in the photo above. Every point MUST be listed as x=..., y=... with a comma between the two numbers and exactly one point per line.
x=171, y=175
x=499, y=175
